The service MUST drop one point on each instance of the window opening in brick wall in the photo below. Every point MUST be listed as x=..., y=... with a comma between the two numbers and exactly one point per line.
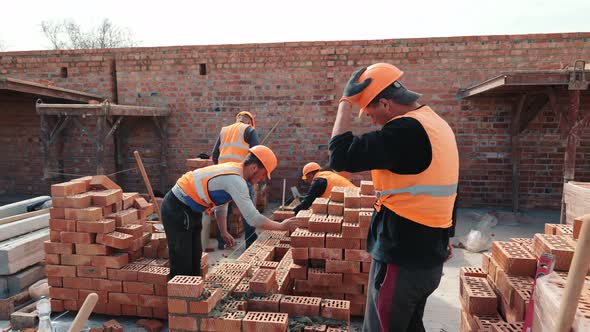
x=203, y=69
x=63, y=72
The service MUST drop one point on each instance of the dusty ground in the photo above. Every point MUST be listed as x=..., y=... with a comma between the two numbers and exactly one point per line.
x=443, y=308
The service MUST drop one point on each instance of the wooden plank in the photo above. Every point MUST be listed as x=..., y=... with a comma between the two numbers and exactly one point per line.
x=22, y=216
x=20, y=227
x=16, y=283
x=23, y=251
x=8, y=306
x=20, y=207
x=13, y=84
x=25, y=317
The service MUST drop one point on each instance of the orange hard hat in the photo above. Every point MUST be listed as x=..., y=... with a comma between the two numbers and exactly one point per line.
x=266, y=157
x=308, y=168
x=382, y=75
x=248, y=114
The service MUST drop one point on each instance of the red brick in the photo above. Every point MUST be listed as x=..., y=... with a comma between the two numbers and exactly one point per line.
x=75, y=237
x=100, y=226
x=205, y=306
x=125, y=217
x=58, y=248
x=57, y=305
x=92, y=249
x=333, y=266
x=85, y=179
x=55, y=281
x=60, y=271
x=262, y=281
x=91, y=272
x=78, y=201
x=152, y=301
x=357, y=255
x=367, y=201
x=323, y=224
x=351, y=215
x=303, y=238
x=102, y=295
x=320, y=206
x=138, y=288
x=335, y=309
x=320, y=277
x=367, y=188
x=150, y=251
x=75, y=260
x=113, y=309
x=71, y=305
x=300, y=253
x=78, y=283
x=52, y=259
x=365, y=267
x=300, y=305
x=102, y=182
x=352, y=231
x=63, y=293
x=112, y=326
x=145, y=311
x=365, y=218
x=137, y=244
x=134, y=230
x=68, y=188
x=177, y=306
x=115, y=240
x=335, y=209
x=107, y=285
x=124, y=298
x=298, y=271
x=265, y=321
x=62, y=225
x=266, y=303
x=337, y=194
x=117, y=260
x=280, y=215
x=87, y=214
x=106, y=197
x=129, y=199
x=58, y=202
x=57, y=213
x=471, y=271
x=129, y=310
x=561, y=246
x=54, y=236
x=335, y=240
x=126, y=273
x=150, y=325
x=161, y=289
x=514, y=259
x=477, y=296
x=154, y=274
x=182, y=323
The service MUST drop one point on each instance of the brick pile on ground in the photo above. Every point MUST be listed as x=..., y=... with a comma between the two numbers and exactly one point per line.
x=253, y=294
x=495, y=297
x=101, y=242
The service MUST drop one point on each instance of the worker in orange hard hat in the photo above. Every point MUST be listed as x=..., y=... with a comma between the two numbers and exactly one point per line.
x=321, y=183
x=232, y=146
x=209, y=190
x=414, y=164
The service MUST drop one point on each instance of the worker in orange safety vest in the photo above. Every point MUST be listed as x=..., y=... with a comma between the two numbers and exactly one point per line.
x=232, y=146
x=414, y=164
x=320, y=183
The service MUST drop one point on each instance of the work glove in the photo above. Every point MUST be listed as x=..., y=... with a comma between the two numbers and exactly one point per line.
x=353, y=89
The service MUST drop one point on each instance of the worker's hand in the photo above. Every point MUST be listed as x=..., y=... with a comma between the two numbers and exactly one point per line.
x=450, y=248
x=292, y=223
x=353, y=89
x=229, y=240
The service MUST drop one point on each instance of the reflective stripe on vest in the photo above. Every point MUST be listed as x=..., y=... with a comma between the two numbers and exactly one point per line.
x=232, y=144
x=333, y=180
x=195, y=184
x=426, y=198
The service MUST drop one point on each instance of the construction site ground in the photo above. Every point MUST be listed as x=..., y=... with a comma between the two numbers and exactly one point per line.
x=443, y=307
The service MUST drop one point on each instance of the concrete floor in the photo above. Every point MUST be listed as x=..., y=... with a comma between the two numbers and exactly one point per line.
x=442, y=310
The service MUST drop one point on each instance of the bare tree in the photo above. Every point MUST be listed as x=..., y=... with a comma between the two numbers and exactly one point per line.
x=68, y=34
x=3, y=46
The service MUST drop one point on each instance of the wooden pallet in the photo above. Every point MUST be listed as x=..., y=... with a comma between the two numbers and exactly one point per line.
x=11, y=304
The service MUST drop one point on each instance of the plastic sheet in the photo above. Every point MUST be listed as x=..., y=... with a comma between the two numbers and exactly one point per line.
x=480, y=237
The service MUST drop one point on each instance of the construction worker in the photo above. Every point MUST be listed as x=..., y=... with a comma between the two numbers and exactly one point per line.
x=210, y=189
x=321, y=183
x=232, y=145
x=414, y=165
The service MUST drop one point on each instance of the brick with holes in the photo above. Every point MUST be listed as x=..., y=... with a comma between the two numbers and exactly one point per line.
x=513, y=258
x=320, y=206
x=115, y=239
x=263, y=281
x=561, y=246
x=206, y=305
x=265, y=303
x=335, y=309
x=264, y=321
x=319, y=277
x=300, y=305
x=303, y=238
x=153, y=274
x=335, y=208
x=477, y=295
x=323, y=224
x=472, y=271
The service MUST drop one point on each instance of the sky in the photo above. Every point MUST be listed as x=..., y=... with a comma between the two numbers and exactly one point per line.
x=174, y=22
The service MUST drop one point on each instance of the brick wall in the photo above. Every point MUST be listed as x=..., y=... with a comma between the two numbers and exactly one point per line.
x=300, y=83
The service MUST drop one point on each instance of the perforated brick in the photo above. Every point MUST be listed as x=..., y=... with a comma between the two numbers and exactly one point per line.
x=318, y=276
x=471, y=271
x=335, y=309
x=300, y=305
x=513, y=258
x=567, y=230
x=335, y=208
x=265, y=321
x=561, y=246
x=320, y=205
x=269, y=303
x=303, y=238
x=322, y=224
x=206, y=305
x=352, y=231
x=336, y=240
x=153, y=274
x=222, y=278
x=484, y=322
x=115, y=239
x=262, y=281
x=478, y=296
x=339, y=266
x=267, y=264
x=367, y=188
x=506, y=327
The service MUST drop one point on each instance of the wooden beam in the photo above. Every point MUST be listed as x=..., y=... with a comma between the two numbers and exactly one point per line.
x=98, y=109
x=115, y=126
x=515, y=148
x=45, y=132
x=100, y=138
x=34, y=88
x=532, y=109
x=163, y=130
x=10, y=219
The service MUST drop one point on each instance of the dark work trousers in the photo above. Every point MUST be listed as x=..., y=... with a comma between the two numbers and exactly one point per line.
x=220, y=241
x=250, y=231
x=183, y=232
x=397, y=296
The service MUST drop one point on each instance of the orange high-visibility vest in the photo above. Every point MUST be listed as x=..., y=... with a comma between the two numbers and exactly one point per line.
x=232, y=145
x=334, y=180
x=195, y=184
x=426, y=198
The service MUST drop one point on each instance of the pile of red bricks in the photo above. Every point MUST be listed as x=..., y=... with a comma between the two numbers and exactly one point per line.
x=330, y=248
x=101, y=242
x=495, y=297
x=236, y=226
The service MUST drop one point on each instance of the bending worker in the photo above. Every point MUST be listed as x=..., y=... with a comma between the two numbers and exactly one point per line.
x=209, y=189
x=321, y=184
x=414, y=164
x=232, y=145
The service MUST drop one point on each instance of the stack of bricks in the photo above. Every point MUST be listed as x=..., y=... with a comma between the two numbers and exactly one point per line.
x=97, y=242
x=329, y=249
x=495, y=296
x=236, y=226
